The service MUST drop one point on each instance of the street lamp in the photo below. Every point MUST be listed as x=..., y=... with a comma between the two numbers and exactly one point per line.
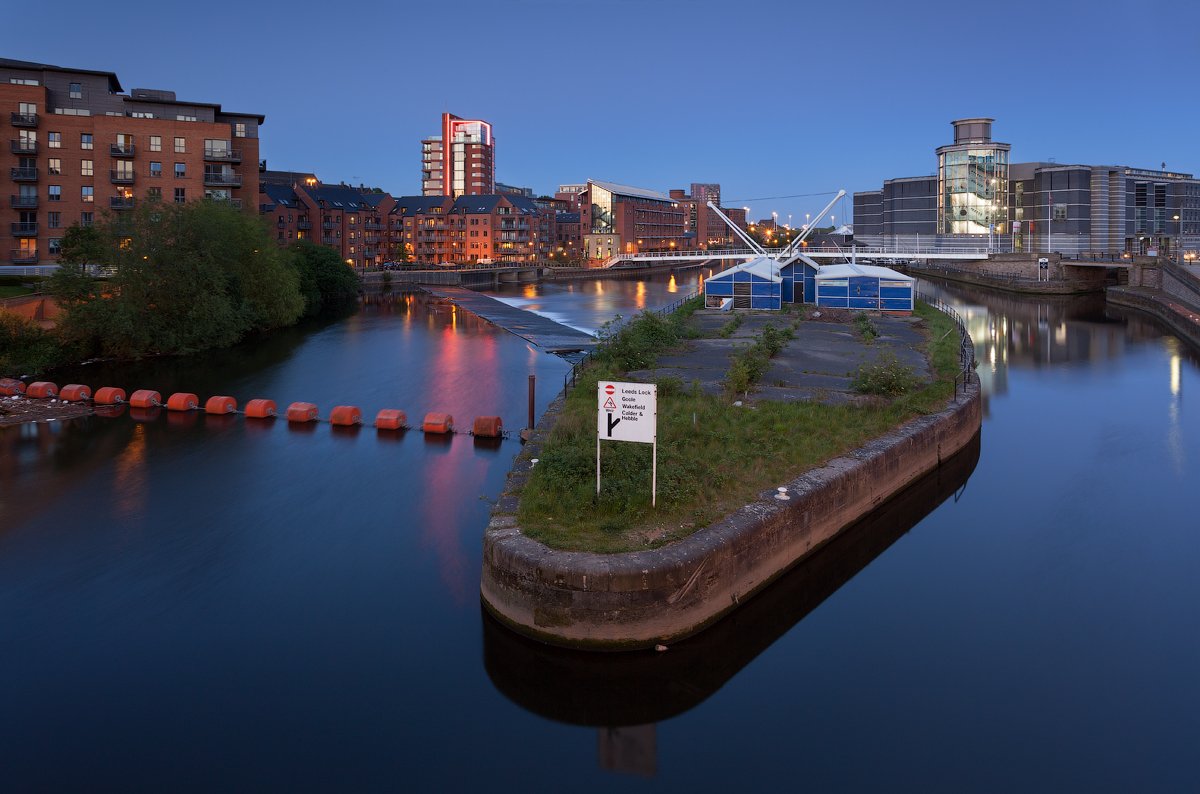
x=1179, y=219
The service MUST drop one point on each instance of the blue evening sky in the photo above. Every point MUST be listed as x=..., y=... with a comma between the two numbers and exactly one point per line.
x=767, y=98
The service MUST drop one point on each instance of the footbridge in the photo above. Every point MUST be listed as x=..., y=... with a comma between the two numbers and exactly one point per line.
x=886, y=255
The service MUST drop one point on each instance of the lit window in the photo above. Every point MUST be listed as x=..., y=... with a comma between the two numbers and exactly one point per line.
x=85, y=167
x=156, y=143
x=180, y=145
x=54, y=166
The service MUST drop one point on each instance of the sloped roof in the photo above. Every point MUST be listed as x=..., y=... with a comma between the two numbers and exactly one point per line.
x=848, y=270
x=627, y=190
x=281, y=195
x=339, y=197
x=762, y=267
x=417, y=205
x=114, y=84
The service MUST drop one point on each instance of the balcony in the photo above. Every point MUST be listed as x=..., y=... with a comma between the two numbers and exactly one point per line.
x=24, y=230
x=121, y=177
x=213, y=179
x=329, y=226
x=24, y=119
x=24, y=202
x=119, y=150
x=223, y=155
x=303, y=224
x=23, y=174
x=24, y=256
x=24, y=147
x=122, y=202
x=373, y=226
x=329, y=241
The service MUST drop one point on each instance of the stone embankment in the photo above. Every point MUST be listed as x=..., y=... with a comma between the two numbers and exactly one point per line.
x=1167, y=291
x=640, y=599
x=1020, y=273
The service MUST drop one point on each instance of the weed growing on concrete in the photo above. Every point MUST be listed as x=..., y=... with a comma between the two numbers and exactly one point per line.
x=865, y=327
x=885, y=375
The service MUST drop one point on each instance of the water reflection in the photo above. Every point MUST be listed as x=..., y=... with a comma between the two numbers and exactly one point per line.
x=641, y=688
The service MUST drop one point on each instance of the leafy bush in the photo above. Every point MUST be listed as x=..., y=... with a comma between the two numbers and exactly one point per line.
x=25, y=348
x=865, y=327
x=328, y=284
x=885, y=376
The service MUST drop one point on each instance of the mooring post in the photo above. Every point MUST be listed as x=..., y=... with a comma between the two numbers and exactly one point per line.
x=529, y=426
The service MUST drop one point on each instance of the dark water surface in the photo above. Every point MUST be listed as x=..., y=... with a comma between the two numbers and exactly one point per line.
x=205, y=603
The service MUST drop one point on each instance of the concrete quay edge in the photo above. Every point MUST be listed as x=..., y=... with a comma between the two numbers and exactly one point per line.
x=638, y=599
x=1178, y=318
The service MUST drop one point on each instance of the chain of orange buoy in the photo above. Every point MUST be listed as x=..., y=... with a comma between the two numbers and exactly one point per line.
x=298, y=413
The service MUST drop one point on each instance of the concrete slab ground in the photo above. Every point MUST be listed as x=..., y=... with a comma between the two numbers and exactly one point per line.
x=817, y=364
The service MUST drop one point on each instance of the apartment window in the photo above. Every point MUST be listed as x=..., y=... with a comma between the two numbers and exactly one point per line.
x=185, y=118
x=22, y=81
x=180, y=195
x=155, y=168
x=54, y=219
x=27, y=108
x=54, y=192
x=85, y=140
x=54, y=140
x=87, y=194
x=55, y=246
x=142, y=115
x=180, y=170
x=87, y=218
x=180, y=145
x=154, y=193
x=85, y=167
x=156, y=143
x=76, y=90
x=54, y=166
x=239, y=130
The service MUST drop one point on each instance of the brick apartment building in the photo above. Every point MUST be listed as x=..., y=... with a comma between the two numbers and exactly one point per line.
x=349, y=220
x=80, y=147
x=461, y=161
x=442, y=230
x=705, y=226
x=622, y=219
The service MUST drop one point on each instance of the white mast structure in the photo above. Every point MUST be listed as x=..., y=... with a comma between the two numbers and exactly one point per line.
x=792, y=252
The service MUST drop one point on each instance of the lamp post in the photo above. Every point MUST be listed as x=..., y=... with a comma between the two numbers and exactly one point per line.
x=1179, y=219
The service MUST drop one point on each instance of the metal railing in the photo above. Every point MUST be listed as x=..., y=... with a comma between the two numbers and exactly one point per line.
x=24, y=147
x=966, y=348
x=25, y=229
x=117, y=150
x=24, y=202
x=22, y=255
x=24, y=119
x=121, y=177
x=223, y=155
x=222, y=179
x=23, y=174
x=121, y=203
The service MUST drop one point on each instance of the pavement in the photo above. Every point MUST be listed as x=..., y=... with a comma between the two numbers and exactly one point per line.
x=817, y=364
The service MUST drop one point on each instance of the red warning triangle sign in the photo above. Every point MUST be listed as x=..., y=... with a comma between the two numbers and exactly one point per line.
x=609, y=404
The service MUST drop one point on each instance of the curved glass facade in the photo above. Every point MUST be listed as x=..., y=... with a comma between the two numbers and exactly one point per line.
x=972, y=189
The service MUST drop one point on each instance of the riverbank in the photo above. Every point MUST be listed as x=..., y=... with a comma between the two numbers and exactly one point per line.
x=1019, y=277
x=582, y=597
x=19, y=410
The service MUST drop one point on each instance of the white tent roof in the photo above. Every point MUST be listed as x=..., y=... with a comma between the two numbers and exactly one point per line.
x=844, y=231
x=847, y=271
x=763, y=267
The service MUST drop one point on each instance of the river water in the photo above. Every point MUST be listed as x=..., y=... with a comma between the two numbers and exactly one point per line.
x=204, y=603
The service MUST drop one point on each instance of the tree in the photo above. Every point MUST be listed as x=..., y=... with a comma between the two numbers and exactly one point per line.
x=186, y=277
x=328, y=284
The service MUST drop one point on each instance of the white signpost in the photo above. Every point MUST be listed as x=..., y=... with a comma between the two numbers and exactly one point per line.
x=628, y=412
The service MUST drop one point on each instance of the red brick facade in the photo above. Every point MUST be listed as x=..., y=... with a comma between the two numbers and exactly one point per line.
x=80, y=148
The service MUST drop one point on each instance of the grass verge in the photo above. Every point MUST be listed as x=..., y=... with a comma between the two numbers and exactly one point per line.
x=713, y=457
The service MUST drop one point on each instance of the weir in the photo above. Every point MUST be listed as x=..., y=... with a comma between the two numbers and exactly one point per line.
x=551, y=336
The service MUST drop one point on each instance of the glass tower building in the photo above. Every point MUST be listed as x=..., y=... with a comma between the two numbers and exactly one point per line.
x=972, y=193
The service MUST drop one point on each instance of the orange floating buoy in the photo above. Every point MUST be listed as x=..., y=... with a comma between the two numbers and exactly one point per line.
x=302, y=412
x=220, y=405
x=488, y=427
x=75, y=392
x=345, y=416
x=390, y=419
x=42, y=390
x=109, y=395
x=183, y=401
x=260, y=409
x=145, y=398
x=11, y=386
x=438, y=423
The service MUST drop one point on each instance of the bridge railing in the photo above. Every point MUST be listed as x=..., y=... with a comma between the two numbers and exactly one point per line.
x=966, y=348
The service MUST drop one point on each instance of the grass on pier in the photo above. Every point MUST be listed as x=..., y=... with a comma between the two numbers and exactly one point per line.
x=709, y=465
